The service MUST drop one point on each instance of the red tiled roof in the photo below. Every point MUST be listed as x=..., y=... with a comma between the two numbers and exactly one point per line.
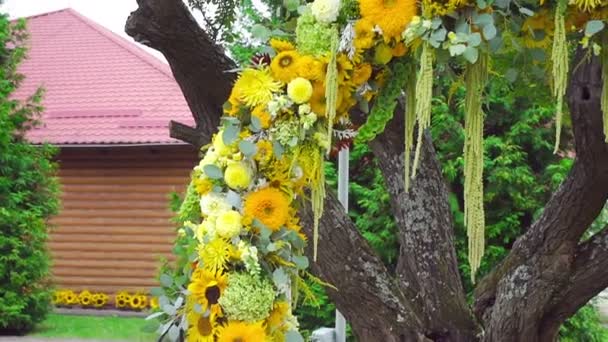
x=100, y=88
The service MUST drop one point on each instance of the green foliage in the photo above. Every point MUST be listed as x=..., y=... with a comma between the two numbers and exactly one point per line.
x=28, y=196
x=584, y=326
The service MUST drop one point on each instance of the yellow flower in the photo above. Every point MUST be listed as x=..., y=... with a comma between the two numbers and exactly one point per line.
x=364, y=34
x=215, y=254
x=344, y=66
x=264, y=153
x=228, y=224
x=399, y=49
x=269, y=205
x=100, y=300
x=237, y=175
x=262, y=114
x=255, y=86
x=318, y=101
x=85, y=298
x=391, y=16
x=441, y=8
x=586, y=5
x=280, y=45
x=241, y=332
x=206, y=288
x=278, y=314
x=201, y=329
x=219, y=146
x=284, y=66
x=361, y=74
x=122, y=299
x=299, y=90
x=154, y=302
x=233, y=105
x=203, y=185
x=310, y=68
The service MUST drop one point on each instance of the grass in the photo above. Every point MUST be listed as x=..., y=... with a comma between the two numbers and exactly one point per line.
x=94, y=327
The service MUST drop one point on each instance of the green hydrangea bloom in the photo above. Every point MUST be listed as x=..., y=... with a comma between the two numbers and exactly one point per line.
x=247, y=298
x=312, y=37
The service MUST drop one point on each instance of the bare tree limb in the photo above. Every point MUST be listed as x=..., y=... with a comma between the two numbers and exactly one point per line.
x=515, y=296
x=198, y=64
x=427, y=268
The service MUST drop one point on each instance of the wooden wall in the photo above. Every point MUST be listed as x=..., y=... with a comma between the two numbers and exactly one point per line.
x=114, y=222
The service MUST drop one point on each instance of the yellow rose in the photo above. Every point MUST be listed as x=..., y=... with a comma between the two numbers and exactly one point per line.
x=228, y=224
x=299, y=90
x=237, y=176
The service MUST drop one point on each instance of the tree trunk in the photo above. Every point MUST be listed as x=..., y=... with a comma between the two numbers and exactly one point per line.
x=546, y=277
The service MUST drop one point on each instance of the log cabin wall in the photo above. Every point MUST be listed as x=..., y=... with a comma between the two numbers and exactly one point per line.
x=114, y=224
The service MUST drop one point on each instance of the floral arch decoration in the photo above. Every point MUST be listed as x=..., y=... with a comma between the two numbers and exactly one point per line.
x=242, y=239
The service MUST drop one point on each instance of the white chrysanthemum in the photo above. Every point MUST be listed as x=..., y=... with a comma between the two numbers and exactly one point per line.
x=325, y=11
x=213, y=204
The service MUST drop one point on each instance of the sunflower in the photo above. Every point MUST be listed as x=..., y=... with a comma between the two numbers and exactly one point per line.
x=280, y=45
x=269, y=205
x=201, y=329
x=264, y=153
x=235, y=331
x=364, y=34
x=262, y=114
x=284, y=66
x=538, y=30
x=361, y=74
x=85, y=298
x=122, y=299
x=255, y=86
x=310, y=68
x=215, y=254
x=586, y=5
x=317, y=100
x=279, y=312
x=100, y=300
x=391, y=16
x=206, y=288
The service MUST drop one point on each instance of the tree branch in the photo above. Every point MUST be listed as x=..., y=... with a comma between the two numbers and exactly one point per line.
x=427, y=267
x=368, y=297
x=516, y=294
x=198, y=64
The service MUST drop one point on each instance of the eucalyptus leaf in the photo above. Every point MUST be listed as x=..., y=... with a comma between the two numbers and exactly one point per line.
x=526, y=11
x=260, y=32
x=593, y=27
x=280, y=278
x=481, y=4
x=483, y=20
x=166, y=280
x=179, y=301
x=173, y=333
x=234, y=199
x=511, y=75
x=230, y=134
x=256, y=124
x=301, y=262
x=439, y=35
x=471, y=54
x=457, y=49
x=291, y=5
x=169, y=309
x=271, y=247
x=153, y=316
x=213, y=171
x=293, y=336
x=248, y=148
x=156, y=292
x=163, y=300
x=495, y=44
x=277, y=149
x=435, y=23
x=474, y=39
x=489, y=32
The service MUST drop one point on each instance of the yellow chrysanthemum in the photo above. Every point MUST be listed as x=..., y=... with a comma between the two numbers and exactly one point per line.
x=233, y=105
x=284, y=66
x=361, y=74
x=277, y=316
x=538, y=30
x=364, y=34
x=262, y=114
x=269, y=205
x=299, y=90
x=228, y=224
x=441, y=8
x=255, y=86
x=281, y=45
x=201, y=329
x=235, y=331
x=391, y=16
x=317, y=100
x=237, y=175
x=205, y=288
x=215, y=254
x=310, y=68
x=264, y=153
x=202, y=185
x=586, y=5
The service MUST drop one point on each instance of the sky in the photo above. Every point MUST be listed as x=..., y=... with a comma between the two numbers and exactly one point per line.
x=109, y=13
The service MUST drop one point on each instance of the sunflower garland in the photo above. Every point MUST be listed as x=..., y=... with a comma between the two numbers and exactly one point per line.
x=241, y=242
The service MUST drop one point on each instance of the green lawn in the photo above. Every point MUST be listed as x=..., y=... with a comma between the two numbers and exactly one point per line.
x=94, y=327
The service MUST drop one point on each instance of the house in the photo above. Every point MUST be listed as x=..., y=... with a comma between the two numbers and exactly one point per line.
x=107, y=107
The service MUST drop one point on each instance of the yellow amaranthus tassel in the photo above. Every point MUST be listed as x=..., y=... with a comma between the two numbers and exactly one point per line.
x=475, y=80
x=559, y=58
x=317, y=196
x=605, y=83
x=424, y=96
x=331, y=89
x=410, y=121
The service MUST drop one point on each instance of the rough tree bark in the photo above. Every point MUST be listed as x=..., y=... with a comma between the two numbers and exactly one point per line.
x=547, y=276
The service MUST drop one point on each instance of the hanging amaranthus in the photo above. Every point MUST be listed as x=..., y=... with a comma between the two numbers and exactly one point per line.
x=410, y=121
x=331, y=89
x=475, y=79
x=559, y=58
x=424, y=96
x=605, y=84
x=317, y=196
